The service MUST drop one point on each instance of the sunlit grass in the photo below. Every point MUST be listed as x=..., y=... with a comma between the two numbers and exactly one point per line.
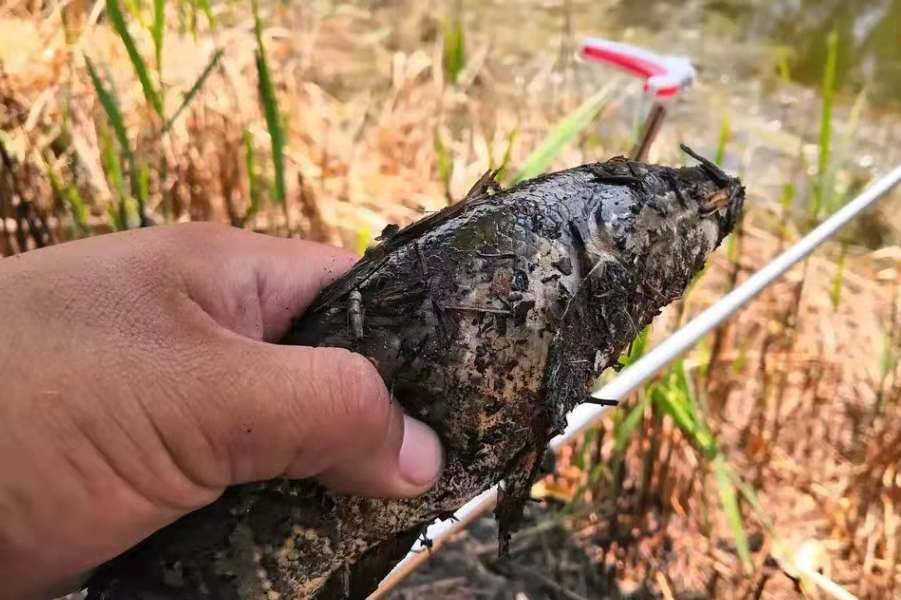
x=110, y=104
x=723, y=141
x=272, y=115
x=836, y=292
x=504, y=164
x=822, y=191
x=112, y=166
x=195, y=89
x=157, y=30
x=454, y=56
x=75, y=205
x=111, y=152
x=114, y=11
x=253, y=184
x=445, y=164
x=562, y=134
x=454, y=44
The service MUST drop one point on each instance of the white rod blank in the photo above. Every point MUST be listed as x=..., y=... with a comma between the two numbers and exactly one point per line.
x=586, y=415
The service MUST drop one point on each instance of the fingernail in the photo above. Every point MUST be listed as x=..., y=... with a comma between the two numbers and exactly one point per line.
x=421, y=456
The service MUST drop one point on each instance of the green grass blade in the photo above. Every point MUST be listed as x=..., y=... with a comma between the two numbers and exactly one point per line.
x=675, y=399
x=561, y=135
x=741, y=361
x=134, y=9
x=627, y=426
x=110, y=105
x=684, y=387
x=750, y=496
x=195, y=88
x=112, y=166
x=270, y=110
x=207, y=11
x=362, y=240
x=444, y=163
x=725, y=136
x=253, y=184
x=112, y=217
x=140, y=183
x=114, y=11
x=726, y=490
x=78, y=208
x=505, y=159
x=157, y=27
x=788, y=195
x=72, y=200
x=888, y=358
x=678, y=411
x=785, y=202
x=822, y=187
x=782, y=64
x=580, y=457
x=637, y=348
x=828, y=91
x=836, y=292
x=454, y=51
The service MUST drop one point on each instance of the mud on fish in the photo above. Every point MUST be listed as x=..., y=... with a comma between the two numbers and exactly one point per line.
x=489, y=321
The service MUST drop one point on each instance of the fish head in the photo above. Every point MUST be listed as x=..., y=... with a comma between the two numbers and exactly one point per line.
x=664, y=224
x=719, y=198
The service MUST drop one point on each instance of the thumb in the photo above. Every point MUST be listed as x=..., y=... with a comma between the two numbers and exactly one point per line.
x=325, y=413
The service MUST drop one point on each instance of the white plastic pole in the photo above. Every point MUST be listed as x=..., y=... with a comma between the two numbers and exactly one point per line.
x=585, y=415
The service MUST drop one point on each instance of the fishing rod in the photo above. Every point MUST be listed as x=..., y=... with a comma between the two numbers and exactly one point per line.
x=629, y=379
x=665, y=77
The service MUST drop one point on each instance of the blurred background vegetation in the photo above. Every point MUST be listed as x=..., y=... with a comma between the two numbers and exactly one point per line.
x=767, y=463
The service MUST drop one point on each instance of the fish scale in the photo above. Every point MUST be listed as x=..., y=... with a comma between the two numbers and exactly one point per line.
x=489, y=321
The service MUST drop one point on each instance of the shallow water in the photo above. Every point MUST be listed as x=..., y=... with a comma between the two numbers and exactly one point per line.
x=869, y=33
x=869, y=51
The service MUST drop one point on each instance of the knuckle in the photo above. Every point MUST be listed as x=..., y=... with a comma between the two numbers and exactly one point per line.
x=364, y=397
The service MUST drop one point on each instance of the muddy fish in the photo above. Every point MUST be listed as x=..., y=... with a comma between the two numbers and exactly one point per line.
x=489, y=321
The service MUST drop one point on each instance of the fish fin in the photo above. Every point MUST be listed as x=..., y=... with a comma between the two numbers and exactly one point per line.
x=487, y=183
x=393, y=238
x=475, y=197
x=371, y=262
x=628, y=180
x=375, y=257
x=710, y=167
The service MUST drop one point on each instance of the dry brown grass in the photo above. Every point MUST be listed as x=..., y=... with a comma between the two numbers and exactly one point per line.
x=363, y=119
x=799, y=402
x=796, y=393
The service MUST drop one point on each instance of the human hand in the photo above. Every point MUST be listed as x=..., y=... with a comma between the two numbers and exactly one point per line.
x=138, y=380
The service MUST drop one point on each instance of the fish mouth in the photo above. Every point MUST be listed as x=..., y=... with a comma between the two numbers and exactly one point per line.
x=723, y=200
x=727, y=202
x=729, y=212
